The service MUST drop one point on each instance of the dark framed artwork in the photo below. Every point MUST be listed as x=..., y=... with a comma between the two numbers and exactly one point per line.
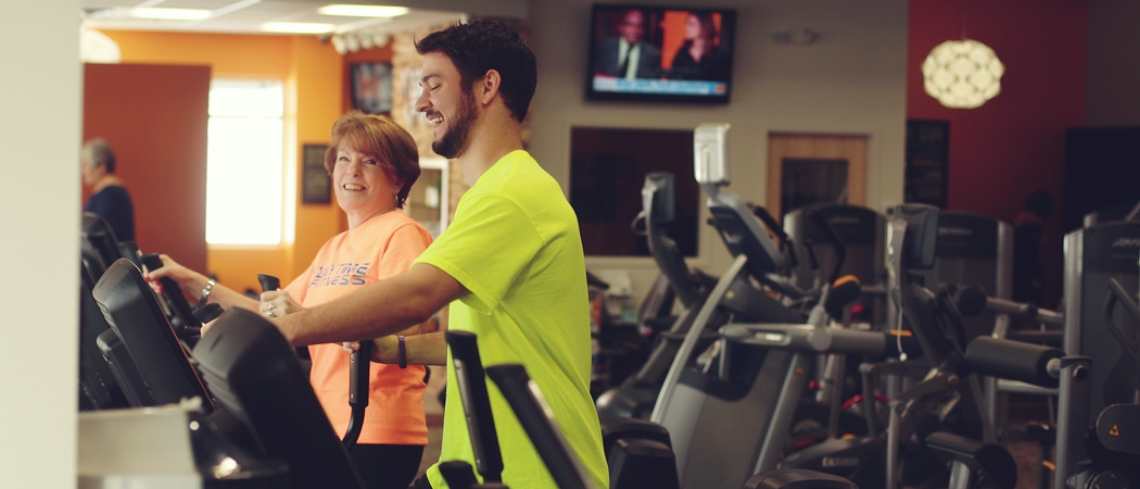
x=927, y=174
x=608, y=165
x=316, y=184
x=371, y=87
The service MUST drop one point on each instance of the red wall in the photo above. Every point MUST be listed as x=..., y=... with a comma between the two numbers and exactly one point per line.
x=154, y=116
x=1015, y=143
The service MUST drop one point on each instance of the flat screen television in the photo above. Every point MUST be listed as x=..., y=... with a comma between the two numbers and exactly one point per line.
x=653, y=53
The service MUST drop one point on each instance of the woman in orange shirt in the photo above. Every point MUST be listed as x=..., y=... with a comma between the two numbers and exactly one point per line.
x=373, y=163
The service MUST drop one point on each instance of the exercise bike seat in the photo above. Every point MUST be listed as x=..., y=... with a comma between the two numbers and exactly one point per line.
x=797, y=479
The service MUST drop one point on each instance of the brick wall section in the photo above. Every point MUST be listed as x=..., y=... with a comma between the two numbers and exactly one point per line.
x=405, y=78
x=405, y=74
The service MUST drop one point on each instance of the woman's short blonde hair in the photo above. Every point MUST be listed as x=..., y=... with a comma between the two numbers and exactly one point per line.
x=383, y=139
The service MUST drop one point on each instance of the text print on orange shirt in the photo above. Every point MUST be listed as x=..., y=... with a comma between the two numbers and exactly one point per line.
x=339, y=274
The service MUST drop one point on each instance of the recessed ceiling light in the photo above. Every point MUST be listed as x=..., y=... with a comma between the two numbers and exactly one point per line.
x=169, y=13
x=297, y=27
x=349, y=10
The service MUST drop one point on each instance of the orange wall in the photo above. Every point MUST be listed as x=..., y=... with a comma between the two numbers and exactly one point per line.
x=160, y=142
x=230, y=55
x=313, y=74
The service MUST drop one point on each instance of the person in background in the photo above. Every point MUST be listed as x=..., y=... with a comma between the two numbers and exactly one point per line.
x=109, y=197
x=628, y=56
x=700, y=57
x=373, y=163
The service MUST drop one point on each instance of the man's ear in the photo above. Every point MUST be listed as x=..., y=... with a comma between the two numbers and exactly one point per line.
x=488, y=86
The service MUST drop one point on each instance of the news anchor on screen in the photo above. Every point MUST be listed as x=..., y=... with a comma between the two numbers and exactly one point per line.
x=628, y=55
x=701, y=56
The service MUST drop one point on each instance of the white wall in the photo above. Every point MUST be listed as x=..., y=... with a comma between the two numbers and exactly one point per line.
x=1114, y=74
x=852, y=81
x=39, y=244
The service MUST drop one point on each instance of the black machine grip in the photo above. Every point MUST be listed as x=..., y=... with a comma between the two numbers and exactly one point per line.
x=472, y=384
x=358, y=383
x=775, y=227
x=458, y=474
x=836, y=243
x=172, y=293
x=208, y=312
x=1014, y=360
x=844, y=291
x=358, y=373
x=268, y=282
x=514, y=383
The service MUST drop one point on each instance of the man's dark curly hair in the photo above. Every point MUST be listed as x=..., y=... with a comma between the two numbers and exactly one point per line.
x=485, y=45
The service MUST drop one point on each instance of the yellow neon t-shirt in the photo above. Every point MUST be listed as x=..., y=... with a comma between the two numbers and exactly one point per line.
x=514, y=245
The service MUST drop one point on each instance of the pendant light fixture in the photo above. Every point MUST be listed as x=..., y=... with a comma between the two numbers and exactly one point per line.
x=962, y=74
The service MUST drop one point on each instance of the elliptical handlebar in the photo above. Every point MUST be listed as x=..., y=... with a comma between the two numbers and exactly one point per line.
x=471, y=380
x=658, y=210
x=532, y=413
x=971, y=301
x=785, y=244
x=737, y=222
x=358, y=374
x=172, y=294
x=833, y=238
x=268, y=282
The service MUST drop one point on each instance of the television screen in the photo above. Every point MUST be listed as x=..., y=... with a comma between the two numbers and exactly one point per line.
x=641, y=52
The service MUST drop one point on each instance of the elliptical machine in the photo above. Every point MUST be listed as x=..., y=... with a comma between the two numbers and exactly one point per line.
x=730, y=413
x=637, y=394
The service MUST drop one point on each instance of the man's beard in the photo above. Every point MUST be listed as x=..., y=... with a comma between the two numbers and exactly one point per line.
x=454, y=141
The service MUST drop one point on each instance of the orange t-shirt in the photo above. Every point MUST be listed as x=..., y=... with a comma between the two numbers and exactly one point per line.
x=382, y=246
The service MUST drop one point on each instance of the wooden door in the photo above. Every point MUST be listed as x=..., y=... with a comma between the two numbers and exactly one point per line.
x=155, y=117
x=839, y=157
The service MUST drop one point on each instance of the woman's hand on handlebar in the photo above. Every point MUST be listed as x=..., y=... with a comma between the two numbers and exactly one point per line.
x=190, y=281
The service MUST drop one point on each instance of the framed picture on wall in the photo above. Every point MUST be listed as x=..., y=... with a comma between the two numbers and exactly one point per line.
x=927, y=174
x=411, y=89
x=371, y=87
x=316, y=185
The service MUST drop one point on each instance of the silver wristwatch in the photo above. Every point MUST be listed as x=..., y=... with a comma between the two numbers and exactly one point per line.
x=207, y=290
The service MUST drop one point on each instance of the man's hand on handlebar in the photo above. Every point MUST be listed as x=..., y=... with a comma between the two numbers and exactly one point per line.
x=277, y=303
x=384, y=349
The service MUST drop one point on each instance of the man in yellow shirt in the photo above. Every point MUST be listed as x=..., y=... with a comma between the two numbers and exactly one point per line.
x=510, y=265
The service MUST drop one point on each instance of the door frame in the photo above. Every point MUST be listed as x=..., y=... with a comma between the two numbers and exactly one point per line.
x=846, y=146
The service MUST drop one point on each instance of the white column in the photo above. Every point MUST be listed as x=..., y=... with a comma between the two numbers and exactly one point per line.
x=40, y=124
